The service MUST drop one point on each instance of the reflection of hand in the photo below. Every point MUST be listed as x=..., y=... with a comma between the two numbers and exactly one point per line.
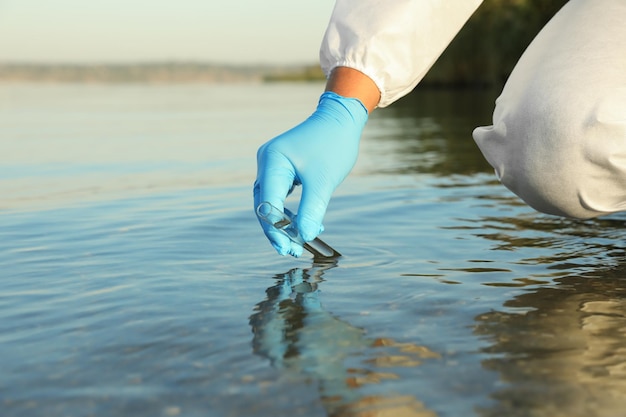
x=318, y=153
x=294, y=332
x=292, y=319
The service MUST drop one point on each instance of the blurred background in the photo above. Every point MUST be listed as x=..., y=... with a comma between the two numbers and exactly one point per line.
x=211, y=41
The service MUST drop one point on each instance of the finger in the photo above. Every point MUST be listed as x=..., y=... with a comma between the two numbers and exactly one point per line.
x=279, y=241
x=313, y=205
x=275, y=178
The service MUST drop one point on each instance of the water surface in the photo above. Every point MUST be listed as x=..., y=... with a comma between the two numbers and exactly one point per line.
x=136, y=280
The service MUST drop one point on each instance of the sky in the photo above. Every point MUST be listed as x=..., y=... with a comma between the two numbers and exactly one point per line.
x=117, y=31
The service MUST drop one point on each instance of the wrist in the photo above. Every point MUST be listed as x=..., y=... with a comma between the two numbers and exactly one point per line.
x=347, y=111
x=350, y=83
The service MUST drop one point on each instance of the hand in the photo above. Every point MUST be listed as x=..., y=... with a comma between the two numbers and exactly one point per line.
x=317, y=154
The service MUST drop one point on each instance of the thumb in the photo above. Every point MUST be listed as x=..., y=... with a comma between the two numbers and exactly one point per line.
x=313, y=205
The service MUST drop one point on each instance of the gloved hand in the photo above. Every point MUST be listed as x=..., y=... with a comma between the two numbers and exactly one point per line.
x=317, y=154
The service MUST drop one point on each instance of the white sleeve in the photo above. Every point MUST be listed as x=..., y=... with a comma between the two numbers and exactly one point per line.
x=394, y=42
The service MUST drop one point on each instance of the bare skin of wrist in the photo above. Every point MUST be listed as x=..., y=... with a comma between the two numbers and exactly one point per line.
x=350, y=83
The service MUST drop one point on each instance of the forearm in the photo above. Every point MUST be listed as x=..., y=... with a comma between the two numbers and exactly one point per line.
x=350, y=83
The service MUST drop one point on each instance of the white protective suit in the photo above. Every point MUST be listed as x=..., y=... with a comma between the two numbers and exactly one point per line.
x=558, y=138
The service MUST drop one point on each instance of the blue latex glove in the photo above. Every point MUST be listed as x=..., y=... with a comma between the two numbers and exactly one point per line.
x=317, y=154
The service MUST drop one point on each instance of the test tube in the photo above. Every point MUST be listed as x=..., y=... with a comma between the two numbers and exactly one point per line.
x=285, y=224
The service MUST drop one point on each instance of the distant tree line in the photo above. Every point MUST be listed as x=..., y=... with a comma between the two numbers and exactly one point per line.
x=165, y=72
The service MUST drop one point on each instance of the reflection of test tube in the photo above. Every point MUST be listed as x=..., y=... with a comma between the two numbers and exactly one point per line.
x=285, y=224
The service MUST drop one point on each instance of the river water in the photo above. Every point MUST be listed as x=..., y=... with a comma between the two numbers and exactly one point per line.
x=137, y=282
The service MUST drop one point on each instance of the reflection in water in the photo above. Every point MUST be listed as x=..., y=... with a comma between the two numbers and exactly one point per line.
x=560, y=348
x=296, y=334
x=567, y=354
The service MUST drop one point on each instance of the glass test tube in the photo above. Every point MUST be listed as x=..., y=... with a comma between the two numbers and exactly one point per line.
x=285, y=224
